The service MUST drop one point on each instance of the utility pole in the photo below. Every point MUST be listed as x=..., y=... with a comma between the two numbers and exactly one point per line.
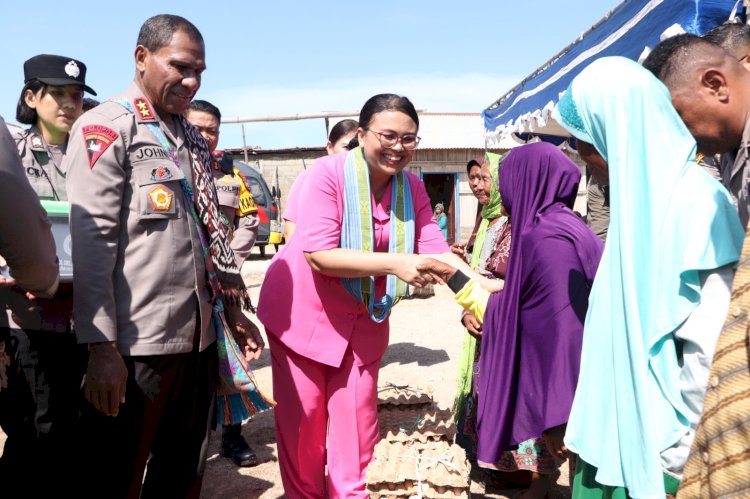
x=244, y=144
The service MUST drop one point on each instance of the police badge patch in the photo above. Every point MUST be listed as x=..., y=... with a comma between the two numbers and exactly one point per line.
x=161, y=173
x=98, y=138
x=161, y=198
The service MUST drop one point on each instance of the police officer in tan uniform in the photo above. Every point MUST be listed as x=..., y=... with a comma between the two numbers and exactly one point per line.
x=50, y=101
x=240, y=209
x=237, y=203
x=141, y=297
x=235, y=198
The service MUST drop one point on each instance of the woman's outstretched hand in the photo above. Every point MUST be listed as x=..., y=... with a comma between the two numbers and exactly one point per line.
x=408, y=270
x=440, y=270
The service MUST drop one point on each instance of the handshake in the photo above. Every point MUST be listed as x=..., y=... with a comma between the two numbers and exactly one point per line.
x=433, y=271
x=439, y=271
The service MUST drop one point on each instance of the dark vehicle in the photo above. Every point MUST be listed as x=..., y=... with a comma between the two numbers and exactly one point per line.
x=269, y=231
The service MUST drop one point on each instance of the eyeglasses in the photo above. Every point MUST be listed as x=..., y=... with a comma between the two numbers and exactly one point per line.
x=390, y=139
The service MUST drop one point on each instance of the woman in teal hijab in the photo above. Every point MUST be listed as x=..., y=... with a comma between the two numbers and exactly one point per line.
x=662, y=290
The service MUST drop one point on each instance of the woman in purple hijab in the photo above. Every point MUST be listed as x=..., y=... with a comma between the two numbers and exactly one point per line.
x=533, y=328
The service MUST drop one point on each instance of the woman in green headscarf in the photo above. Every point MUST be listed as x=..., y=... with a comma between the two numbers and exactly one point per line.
x=465, y=402
x=489, y=195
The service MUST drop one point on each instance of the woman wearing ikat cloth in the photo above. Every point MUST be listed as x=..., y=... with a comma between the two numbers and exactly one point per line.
x=326, y=298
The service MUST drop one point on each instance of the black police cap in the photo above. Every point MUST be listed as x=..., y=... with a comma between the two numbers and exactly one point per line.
x=56, y=70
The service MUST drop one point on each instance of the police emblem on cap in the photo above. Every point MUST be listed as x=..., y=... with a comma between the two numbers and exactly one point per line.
x=71, y=69
x=56, y=70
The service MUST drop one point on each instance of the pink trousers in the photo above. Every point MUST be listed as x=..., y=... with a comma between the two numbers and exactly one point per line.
x=313, y=399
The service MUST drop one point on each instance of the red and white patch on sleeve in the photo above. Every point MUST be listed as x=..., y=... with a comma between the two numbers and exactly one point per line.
x=98, y=138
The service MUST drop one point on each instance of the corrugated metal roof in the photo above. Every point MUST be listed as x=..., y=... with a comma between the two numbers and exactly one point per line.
x=437, y=130
x=238, y=151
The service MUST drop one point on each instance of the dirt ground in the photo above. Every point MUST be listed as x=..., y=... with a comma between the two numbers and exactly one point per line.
x=425, y=341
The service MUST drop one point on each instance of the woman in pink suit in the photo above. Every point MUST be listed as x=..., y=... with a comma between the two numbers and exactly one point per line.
x=363, y=222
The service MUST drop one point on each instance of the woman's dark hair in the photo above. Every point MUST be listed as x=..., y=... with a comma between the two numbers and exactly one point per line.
x=386, y=102
x=340, y=129
x=25, y=114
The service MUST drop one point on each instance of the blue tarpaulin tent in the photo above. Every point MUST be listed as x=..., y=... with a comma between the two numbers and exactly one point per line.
x=626, y=31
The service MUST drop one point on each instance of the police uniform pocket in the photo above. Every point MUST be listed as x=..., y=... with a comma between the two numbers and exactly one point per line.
x=40, y=181
x=227, y=190
x=157, y=186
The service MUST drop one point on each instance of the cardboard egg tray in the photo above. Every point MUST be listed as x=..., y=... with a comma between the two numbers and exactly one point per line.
x=416, y=423
x=392, y=394
x=399, y=469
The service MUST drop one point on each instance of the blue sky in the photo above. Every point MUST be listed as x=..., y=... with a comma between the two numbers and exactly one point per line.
x=287, y=57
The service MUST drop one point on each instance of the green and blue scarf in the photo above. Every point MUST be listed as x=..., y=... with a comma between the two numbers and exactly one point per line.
x=357, y=233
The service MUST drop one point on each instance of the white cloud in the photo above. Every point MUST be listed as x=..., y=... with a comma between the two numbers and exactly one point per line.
x=470, y=92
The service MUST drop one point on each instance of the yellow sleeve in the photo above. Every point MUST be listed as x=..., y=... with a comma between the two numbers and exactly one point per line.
x=246, y=202
x=473, y=298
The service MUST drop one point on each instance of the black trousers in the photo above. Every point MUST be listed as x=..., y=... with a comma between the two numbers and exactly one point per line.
x=39, y=411
x=165, y=422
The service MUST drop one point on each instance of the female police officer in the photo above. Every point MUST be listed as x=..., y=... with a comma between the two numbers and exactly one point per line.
x=51, y=100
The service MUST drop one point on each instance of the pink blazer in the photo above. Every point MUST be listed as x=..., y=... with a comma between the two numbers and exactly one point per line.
x=292, y=197
x=311, y=313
